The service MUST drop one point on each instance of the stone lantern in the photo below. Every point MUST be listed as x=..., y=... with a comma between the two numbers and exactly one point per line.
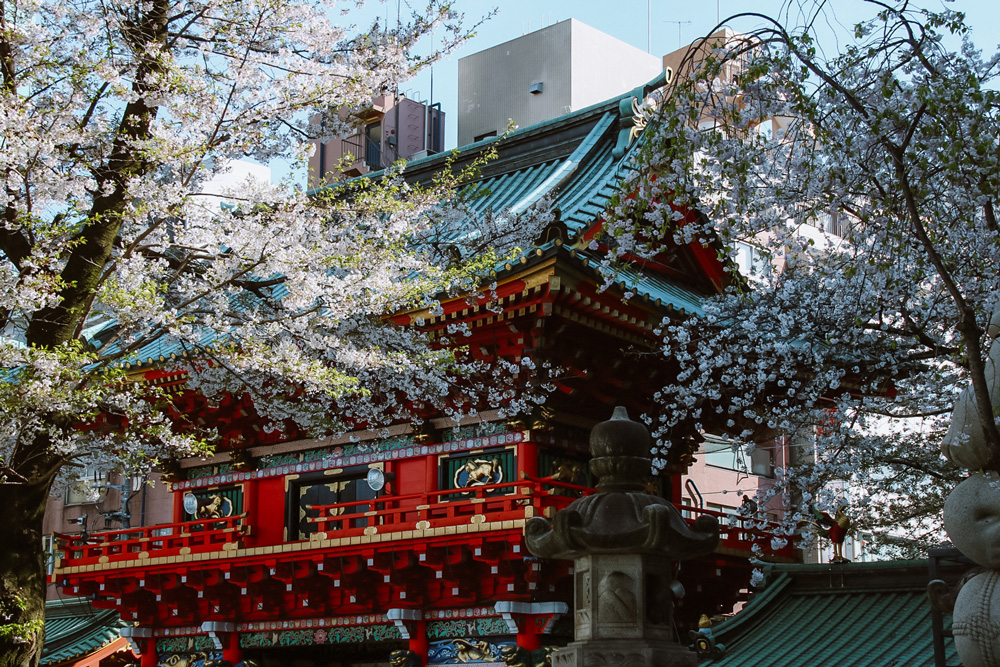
x=624, y=543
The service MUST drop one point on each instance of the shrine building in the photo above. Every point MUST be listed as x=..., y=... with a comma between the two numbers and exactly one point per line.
x=286, y=550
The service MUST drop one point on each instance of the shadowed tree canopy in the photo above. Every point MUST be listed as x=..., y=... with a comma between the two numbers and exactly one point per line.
x=855, y=174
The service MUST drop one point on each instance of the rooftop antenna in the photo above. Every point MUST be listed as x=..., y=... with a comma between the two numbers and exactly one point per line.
x=431, y=98
x=680, y=43
x=649, y=26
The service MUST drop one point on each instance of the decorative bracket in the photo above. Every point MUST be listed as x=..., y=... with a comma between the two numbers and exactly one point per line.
x=134, y=637
x=215, y=629
x=405, y=620
x=544, y=615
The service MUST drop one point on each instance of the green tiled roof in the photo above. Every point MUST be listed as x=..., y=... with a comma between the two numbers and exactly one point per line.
x=651, y=286
x=74, y=629
x=569, y=158
x=860, y=614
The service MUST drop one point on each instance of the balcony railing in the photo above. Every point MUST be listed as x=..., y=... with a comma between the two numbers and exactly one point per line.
x=363, y=151
x=206, y=535
x=450, y=507
x=740, y=534
x=354, y=146
x=393, y=517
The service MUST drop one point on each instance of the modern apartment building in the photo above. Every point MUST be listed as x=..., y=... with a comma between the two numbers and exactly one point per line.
x=393, y=127
x=562, y=68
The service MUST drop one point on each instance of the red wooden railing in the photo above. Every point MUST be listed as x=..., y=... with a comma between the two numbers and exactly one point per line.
x=495, y=503
x=160, y=540
x=451, y=507
x=741, y=533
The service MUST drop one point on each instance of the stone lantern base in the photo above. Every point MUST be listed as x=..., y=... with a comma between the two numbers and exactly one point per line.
x=623, y=543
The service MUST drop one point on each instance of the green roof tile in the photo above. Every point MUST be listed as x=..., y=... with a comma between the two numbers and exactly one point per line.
x=856, y=614
x=74, y=629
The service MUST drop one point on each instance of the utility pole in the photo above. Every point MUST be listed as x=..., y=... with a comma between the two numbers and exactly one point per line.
x=649, y=26
x=121, y=515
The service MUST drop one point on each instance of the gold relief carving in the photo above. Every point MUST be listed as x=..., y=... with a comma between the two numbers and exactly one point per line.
x=516, y=424
x=478, y=472
x=241, y=460
x=184, y=551
x=568, y=471
x=423, y=525
x=477, y=518
x=230, y=546
x=371, y=530
x=143, y=555
x=103, y=559
x=215, y=507
x=423, y=433
x=469, y=651
x=542, y=419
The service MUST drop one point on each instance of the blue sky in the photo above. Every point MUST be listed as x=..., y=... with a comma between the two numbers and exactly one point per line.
x=627, y=20
x=665, y=23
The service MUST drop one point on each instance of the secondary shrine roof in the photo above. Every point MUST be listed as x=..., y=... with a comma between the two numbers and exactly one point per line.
x=861, y=614
x=74, y=629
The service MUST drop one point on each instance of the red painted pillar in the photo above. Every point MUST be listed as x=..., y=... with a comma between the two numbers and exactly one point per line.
x=431, y=475
x=231, y=650
x=527, y=633
x=178, y=506
x=419, y=643
x=250, y=509
x=528, y=460
x=148, y=657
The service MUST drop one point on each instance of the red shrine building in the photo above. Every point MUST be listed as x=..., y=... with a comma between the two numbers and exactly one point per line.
x=338, y=552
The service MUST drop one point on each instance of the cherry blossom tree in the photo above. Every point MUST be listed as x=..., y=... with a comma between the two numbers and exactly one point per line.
x=851, y=345
x=114, y=115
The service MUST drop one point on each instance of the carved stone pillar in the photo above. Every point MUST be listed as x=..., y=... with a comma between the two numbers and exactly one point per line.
x=623, y=542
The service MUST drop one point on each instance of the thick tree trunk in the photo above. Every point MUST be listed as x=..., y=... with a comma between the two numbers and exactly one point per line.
x=22, y=568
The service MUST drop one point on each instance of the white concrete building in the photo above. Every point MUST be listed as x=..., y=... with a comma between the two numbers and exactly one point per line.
x=564, y=67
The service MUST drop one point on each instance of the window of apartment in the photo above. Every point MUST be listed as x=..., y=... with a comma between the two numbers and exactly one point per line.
x=86, y=491
x=730, y=515
x=686, y=502
x=722, y=453
x=766, y=129
x=750, y=261
x=319, y=489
